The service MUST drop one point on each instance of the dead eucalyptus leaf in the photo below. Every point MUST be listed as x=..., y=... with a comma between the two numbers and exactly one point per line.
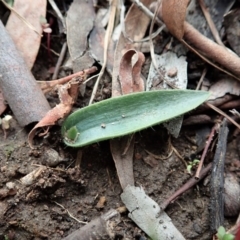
x=79, y=21
x=130, y=72
x=67, y=95
x=136, y=23
x=123, y=148
x=25, y=39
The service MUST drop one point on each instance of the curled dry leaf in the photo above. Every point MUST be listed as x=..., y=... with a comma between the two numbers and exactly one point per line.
x=67, y=95
x=130, y=72
x=130, y=81
x=173, y=15
x=136, y=23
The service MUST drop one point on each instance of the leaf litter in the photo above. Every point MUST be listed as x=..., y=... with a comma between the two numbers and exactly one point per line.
x=90, y=43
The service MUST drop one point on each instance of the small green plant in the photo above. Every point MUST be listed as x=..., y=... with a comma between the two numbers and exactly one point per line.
x=191, y=165
x=222, y=235
x=119, y=116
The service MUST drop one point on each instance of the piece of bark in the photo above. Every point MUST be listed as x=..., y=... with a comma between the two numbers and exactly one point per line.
x=98, y=229
x=217, y=180
x=20, y=89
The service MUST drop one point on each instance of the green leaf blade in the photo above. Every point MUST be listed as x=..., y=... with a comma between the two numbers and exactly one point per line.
x=123, y=115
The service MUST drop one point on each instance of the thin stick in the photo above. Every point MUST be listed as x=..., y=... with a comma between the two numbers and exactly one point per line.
x=201, y=79
x=210, y=23
x=45, y=85
x=58, y=12
x=190, y=183
x=70, y=215
x=181, y=158
x=223, y=114
x=60, y=59
x=210, y=138
x=113, y=8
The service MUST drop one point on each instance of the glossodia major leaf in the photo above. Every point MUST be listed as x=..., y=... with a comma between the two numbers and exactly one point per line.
x=126, y=114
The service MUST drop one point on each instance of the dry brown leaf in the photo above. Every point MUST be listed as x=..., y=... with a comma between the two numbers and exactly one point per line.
x=130, y=72
x=67, y=95
x=26, y=40
x=122, y=148
x=136, y=23
x=79, y=21
x=173, y=15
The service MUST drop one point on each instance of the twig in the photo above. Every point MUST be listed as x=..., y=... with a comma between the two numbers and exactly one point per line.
x=60, y=59
x=190, y=183
x=113, y=7
x=58, y=12
x=201, y=79
x=147, y=12
x=70, y=215
x=223, y=114
x=47, y=85
x=210, y=23
x=181, y=158
x=210, y=138
x=51, y=50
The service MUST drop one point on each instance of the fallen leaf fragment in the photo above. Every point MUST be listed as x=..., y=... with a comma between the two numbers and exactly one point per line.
x=173, y=70
x=79, y=21
x=96, y=44
x=26, y=40
x=130, y=72
x=122, y=149
x=146, y=213
x=224, y=86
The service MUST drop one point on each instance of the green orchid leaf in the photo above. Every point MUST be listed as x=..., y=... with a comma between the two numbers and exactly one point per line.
x=127, y=114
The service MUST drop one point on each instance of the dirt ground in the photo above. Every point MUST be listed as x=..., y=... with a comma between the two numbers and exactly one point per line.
x=72, y=187
x=33, y=212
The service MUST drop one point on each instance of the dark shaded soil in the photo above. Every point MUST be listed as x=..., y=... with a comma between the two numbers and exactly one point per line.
x=32, y=212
